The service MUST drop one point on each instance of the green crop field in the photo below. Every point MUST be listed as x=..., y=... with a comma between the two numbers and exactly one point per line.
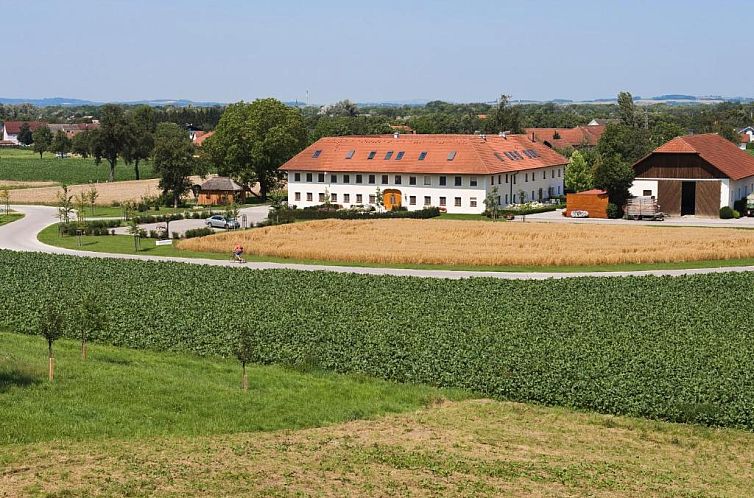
x=25, y=165
x=679, y=349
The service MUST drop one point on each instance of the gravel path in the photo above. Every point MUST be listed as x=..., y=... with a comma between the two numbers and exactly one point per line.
x=22, y=236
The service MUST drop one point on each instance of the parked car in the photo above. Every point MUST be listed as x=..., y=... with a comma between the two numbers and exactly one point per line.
x=220, y=221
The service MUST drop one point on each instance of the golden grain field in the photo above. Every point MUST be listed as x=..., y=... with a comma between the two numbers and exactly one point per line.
x=477, y=243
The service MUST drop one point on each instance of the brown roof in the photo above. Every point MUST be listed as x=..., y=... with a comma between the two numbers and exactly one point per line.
x=201, y=136
x=221, y=183
x=716, y=150
x=471, y=154
x=14, y=127
x=573, y=137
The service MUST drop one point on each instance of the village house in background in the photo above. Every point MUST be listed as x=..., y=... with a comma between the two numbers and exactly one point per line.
x=695, y=175
x=563, y=138
x=452, y=172
x=11, y=129
x=220, y=191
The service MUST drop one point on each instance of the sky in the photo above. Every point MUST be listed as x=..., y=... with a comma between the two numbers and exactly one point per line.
x=373, y=51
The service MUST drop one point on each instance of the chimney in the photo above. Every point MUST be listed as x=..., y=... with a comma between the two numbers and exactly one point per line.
x=532, y=137
x=396, y=134
x=483, y=137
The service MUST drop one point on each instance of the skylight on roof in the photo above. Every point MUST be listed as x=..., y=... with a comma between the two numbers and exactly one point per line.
x=499, y=156
x=372, y=154
x=422, y=155
x=316, y=153
x=399, y=156
x=388, y=155
x=517, y=155
x=350, y=154
x=509, y=155
x=451, y=155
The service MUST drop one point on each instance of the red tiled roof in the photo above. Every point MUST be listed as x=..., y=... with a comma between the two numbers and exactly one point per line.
x=573, y=137
x=201, y=136
x=474, y=154
x=594, y=191
x=745, y=138
x=14, y=127
x=716, y=150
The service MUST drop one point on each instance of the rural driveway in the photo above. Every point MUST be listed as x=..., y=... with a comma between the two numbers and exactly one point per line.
x=254, y=214
x=22, y=236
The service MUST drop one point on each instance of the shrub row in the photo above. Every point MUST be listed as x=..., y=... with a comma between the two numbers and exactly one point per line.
x=93, y=227
x=160, y=218
x=286, y=215
x=198, y=232
x=658, y=347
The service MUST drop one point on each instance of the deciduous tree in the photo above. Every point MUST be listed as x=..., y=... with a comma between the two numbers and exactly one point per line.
x=42, y=140
x=252, y=140
x=578, y=174
x=25, y=135
x=141, y=144
x=50, y=326
x=245, y=353
x=92, y=320
x=615, y=176
x=174, y=160
x=504, y=117
x=61, y=144
x=80, y=144
x=112, y=137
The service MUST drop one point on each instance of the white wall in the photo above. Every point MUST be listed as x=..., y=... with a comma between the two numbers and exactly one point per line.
x=639, y=186
x=530, y=182
x=737, y=190
x=9, y=136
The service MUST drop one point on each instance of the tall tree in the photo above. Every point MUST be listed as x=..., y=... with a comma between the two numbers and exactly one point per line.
x=630, y=144
x=24, y=135
x=578, y=174
x=615, y=176
x=42, y=140
x=80, y=144
x=112, y=137
x=252, y=140
x=50, y=326
x=504, y=117
x=627, y=110
x=61, y=144
x=173, y=160
x=143, y=126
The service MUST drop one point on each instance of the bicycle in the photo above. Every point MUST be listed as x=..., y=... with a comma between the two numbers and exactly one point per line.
x=237, y=258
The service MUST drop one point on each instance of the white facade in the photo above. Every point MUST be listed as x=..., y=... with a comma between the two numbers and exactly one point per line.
x=463, y=194
x=10, y=137
x=730, y=190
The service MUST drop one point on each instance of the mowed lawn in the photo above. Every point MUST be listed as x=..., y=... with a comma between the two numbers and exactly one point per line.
x=25, y=165
x=131, y=423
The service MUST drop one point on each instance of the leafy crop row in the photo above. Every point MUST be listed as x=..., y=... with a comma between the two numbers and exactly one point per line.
x=670, y=348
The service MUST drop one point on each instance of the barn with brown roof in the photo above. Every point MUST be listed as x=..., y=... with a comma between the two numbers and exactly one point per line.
x=220, y=191
x=562, y=138
x=695, y=175
x=452, y=172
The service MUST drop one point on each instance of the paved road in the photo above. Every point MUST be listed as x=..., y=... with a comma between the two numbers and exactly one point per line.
x=22, y=236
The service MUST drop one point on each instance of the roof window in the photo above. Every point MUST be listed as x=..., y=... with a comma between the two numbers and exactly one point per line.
x=399, y=156
x=316, y=154
x=422, y=155
x=388, y=155
x=451, y=155
x=350, y=154
x=372, y=154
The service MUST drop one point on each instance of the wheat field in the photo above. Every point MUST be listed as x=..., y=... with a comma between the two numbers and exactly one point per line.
x=476, y=243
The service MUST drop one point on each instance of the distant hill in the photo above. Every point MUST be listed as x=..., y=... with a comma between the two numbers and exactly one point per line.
x=62, y=101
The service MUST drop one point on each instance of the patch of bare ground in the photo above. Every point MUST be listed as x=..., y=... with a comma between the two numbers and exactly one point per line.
x=476, y=243
x=14, y=184
x=108, y=192
x=469, y=448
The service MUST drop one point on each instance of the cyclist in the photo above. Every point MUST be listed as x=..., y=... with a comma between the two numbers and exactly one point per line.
x=238, y=252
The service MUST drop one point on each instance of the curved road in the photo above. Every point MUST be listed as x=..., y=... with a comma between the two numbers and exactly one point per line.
x=22, y=236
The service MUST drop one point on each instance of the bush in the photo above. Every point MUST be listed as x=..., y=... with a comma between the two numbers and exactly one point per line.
x=740, y=205
x=96, y=227
x=726, y=212
x=288, y=214
x=612, y=211
x=198, y=232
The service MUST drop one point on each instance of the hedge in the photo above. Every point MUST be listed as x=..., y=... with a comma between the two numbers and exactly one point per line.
x=284, y=215
x=659, y=347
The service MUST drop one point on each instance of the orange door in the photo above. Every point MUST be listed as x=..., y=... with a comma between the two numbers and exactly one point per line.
x=392, y=199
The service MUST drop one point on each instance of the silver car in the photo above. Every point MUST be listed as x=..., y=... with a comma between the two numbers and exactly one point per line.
x=220, y=221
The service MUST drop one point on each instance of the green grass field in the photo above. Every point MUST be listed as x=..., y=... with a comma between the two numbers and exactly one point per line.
x=25, y=165
x=135, y=423
x=124, y=393
x=10, y=217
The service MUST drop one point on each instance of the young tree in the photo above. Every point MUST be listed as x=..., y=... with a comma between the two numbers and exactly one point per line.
x=50, y=326
x=137, y=233
x=615, y=176
x=139, y=148
x=379, y=199
x=245, y=353
x=65, y=204
x=252, y=140
x=491, y=205
x=93, y=195
x=80, y=144
x=42, y=140
x=111, y=138
x=81, y=200
x=578, y=174
x=92, y=320
x=5, y=199
x=61, y=144
x=173, y=160
x=24, y=135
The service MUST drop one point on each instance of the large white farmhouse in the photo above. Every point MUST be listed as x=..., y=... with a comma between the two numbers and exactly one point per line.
x=452, y=172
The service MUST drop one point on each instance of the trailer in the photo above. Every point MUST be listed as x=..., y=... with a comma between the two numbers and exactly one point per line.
x=643, y=208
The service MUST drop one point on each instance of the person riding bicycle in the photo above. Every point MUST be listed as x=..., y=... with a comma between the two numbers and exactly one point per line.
x=238, y=252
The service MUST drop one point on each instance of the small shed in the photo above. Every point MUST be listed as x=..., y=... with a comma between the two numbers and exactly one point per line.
x=592, y=201
x=219, y=191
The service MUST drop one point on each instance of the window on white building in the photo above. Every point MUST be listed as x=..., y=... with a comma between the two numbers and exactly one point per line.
x=397, y=179
x=492, y=180
x=412, y=180
x=457, y=202
x=346, y=178
x=472, y=181
x=371, y=179
x=443, y=181
x=297, y=196
x=384, y=179
x=427, y=180
x=334, y=197
x=321, y=197
x=372, y=199
x=309, y=196
x=321, y=178
x=333, y=178
x=442, y=201
x=458, y=181
x=359, y=198
x=412, y=200
x=526, y=178
x=346, y=198
x=296, y=177
x=427, y=200
x=359, y=179
x=472, y=202
x=309, y=177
